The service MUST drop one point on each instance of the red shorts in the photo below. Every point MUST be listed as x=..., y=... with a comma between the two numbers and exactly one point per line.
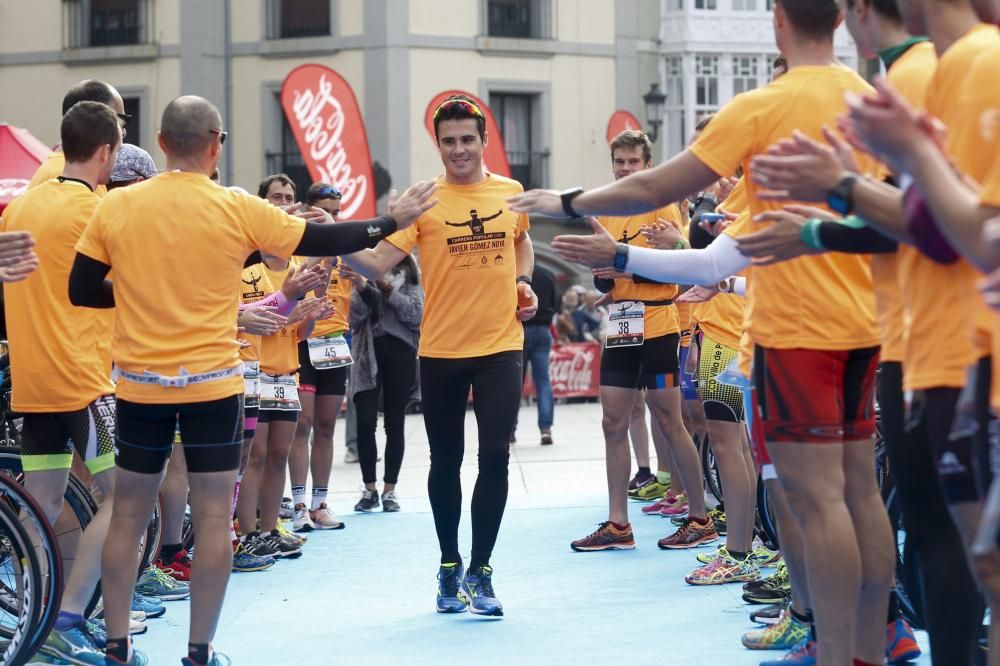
x=816, y=396
x=758, y=443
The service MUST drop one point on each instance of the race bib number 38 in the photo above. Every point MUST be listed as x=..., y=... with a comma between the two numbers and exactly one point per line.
x=331, y=351
x=626, y=324
x=279, y=393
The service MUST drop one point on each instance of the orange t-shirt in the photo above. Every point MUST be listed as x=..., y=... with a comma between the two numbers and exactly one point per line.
x=254, y=285
x=339, y=294
x=660, y=320
x=722, y=317
x=279, y=353
x=177, y=244
x=814, y=302
x=59, y=357
x=469, y=269
x=53, y=167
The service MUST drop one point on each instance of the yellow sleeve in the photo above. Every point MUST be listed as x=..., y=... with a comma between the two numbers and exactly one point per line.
x=406, y=239
x=269, y=228
x=731, y=136
x=92, y=242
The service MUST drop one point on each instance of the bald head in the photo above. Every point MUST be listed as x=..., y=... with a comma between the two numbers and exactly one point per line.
x=92, y=90
x=190, y=124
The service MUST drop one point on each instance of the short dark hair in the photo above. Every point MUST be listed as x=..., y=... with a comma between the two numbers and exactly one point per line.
x=89, y=90
x=779, y=61
x=887, y=8
x=189, y=124
x=265, y=184
x=87, y=126
x=703, y=122
x=320, y=191
x=448, y=110
x=813, y=18
x=633, y=139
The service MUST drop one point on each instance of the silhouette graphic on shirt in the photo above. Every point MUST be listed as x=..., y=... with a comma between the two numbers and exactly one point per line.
x=626, y=238
x=476, y=222
x=253, y=281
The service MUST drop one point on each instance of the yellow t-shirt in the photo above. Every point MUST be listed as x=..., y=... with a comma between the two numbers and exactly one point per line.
x=59, y=362
x=254, y=285
x=177, y=244
x=722, y=317
x=814, y=302
x=469, y=268
x=279, y=353
x=660, y=320
x=339, y=294
x=53, y=167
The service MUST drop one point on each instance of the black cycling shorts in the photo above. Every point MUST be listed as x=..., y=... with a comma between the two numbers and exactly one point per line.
x=278, y=415
x=320, y=382
x=651, y=365
x=211, y=432
x=48, y=440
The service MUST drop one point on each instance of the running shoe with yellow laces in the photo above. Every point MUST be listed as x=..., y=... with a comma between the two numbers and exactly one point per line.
x=607, y=536
x=690, y=534
x=668, y=500
x=724, y=569
x=719, y=518
x=290, y=538
x=803, y=654
x=771, y=590
x=786, y=634
x=762, y=555
x=650, y=492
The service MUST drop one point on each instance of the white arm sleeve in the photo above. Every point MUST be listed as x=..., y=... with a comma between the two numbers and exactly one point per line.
x=740, y=286
x=709, y=266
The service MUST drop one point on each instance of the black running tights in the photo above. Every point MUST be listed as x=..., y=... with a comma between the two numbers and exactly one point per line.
x=495, y=381
x=953, y=607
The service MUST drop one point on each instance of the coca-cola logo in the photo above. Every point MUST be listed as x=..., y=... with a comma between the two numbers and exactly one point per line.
x=326, y=121
x=571, y=370
x=12, y=187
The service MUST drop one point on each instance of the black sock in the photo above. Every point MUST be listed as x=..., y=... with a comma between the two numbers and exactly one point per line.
x=894, y=612
x=645, y=471
x=812, y=625
x=738, y=556
x=118, y=649
x=804, y=618
x=198, y=652
x=168, y=550
x=451, y=558
x=475, y=564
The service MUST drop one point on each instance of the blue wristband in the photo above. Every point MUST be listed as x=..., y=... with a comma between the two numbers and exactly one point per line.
x=810, y=234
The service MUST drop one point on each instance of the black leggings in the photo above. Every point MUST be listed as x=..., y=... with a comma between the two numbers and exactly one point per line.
x=495, y=381
x=396, y=366
x=953, y=608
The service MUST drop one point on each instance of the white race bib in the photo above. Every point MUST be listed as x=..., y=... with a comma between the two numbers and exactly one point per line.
x=251, y=382
x=626, y=324
x=330, y=351
x=279, y=392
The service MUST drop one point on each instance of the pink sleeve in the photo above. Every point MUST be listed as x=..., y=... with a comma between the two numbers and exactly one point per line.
x=275, y=300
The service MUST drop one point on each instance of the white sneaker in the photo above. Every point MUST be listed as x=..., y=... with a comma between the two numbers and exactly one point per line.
x=137, y=616
x=135, y=627
x=323, y=519
x=303, y=523
x=350, y=456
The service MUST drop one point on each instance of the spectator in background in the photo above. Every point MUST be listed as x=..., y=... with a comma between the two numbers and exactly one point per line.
x=565, y=323
x=133, y=165
x=589, y=317
x=538, y=346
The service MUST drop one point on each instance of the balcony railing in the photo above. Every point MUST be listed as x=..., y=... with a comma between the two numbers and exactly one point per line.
x=530, y=168
x=525, y=19
x=291, y=19
x=100, y=23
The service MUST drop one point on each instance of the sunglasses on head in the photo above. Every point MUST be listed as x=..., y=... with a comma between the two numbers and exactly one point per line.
x=325, y=192
x=125, y=118
x=460, y=103
x=222, y=135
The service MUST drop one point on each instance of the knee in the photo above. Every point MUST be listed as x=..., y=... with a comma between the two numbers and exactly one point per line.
x=277, y=454
x=304, y=425
x=323, y=429
x=614, y=425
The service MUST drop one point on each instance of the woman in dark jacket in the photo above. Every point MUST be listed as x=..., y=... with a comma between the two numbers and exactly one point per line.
x=385, y=318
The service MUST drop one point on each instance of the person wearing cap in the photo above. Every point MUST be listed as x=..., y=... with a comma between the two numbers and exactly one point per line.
x=132, y=166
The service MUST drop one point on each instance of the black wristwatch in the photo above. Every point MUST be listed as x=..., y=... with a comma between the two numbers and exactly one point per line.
x=621, y=257
x=523, y=278
x=841, y=198
x=567, y=197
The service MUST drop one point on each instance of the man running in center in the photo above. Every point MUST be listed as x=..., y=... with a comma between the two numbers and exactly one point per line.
x=478, y=290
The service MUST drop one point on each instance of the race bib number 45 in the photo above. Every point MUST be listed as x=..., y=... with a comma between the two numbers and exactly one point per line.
x=279, y=392
x=626, y=324
x=331, y=351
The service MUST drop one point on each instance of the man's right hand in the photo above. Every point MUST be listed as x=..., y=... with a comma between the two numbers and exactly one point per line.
x=17, y=260
x=405, y=208
x=261, y=321
x=300, y=281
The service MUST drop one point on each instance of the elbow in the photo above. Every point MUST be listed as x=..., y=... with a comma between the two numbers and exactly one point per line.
x=78, y=296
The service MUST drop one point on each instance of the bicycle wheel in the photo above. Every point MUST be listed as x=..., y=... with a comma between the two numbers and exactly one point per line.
x=21, y=598
x=45, y=547
x=765, y=516
x=149, y=547
x=908, y=583
x=710, y=468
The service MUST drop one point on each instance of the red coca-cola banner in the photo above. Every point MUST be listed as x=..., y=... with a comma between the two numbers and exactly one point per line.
x=574, y=370
x=324, y=115
x=620, y=121
x=495, y=156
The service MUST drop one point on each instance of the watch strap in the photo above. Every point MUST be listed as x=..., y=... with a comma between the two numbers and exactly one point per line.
x=567, y=197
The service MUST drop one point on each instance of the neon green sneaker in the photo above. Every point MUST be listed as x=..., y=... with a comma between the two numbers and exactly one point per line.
x=724, y=569
x=786, y=634
x=708, y=558
x=766, y=558
x=650, y=492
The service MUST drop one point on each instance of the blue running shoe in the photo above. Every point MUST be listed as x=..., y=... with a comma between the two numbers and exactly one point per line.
x=97, y=632
x=151, y=606
x=73, y=646
x=804, y=654
x=477, y=590
x=218, y=659
x=155, y=583
x=244, y=560
x=900, y=643
x=449, y=581
x=139, y=658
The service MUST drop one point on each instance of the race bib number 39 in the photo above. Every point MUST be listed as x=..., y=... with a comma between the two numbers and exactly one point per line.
x=279, y=393
x=626, y=324
x=331, y=351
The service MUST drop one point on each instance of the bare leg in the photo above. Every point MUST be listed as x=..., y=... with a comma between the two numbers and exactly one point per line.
x=617, y=406
x=272, y=484
x=246, y=505
x=638, y=432
x=211, y=495
x=666, y=407
x=739, y=488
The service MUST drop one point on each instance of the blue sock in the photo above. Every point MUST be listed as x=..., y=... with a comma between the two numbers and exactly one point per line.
x=66, y=620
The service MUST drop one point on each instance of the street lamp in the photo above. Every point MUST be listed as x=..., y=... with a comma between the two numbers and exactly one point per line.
x=654, y=100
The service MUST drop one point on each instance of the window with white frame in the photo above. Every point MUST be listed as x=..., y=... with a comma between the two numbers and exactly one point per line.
x=746, y=70
x=674, y=134
x=706, y=82
x=745, y=5
x=706, y=4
